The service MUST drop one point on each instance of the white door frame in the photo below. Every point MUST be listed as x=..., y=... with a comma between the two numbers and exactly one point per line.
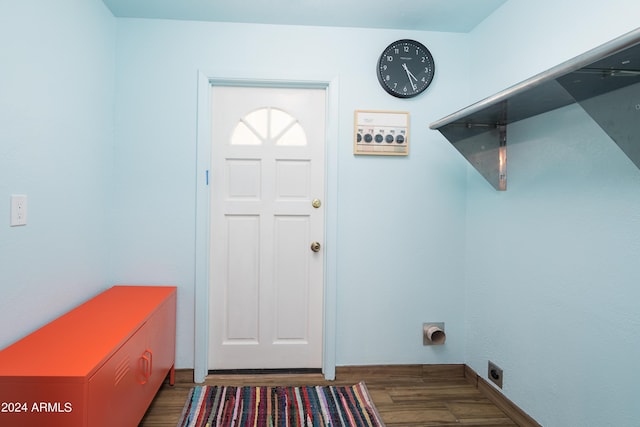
x=203, y=146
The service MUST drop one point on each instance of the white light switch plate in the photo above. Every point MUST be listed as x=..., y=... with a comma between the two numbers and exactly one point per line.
x=18, y=210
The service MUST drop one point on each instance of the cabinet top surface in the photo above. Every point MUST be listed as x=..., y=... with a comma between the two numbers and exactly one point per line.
x=77, y=342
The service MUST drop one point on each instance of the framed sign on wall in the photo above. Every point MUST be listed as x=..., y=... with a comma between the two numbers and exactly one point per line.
x=381, y=133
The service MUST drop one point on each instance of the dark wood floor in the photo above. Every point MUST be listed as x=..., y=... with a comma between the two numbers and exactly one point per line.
x=408, y=396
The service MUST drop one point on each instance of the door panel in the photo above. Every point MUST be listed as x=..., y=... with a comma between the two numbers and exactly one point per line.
x=292, y=274
x=267, y=286
x=243, y=271
x=243, y=179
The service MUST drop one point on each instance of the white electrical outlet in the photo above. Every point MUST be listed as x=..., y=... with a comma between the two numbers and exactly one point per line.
x=18, y=210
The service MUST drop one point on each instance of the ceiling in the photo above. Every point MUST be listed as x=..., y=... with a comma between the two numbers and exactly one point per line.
x=425, y=15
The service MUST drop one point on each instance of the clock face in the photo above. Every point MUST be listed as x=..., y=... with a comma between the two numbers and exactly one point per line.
x=405, y=68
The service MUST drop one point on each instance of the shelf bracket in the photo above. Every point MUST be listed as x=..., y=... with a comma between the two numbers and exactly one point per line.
x=485, y=147
x=617, y=112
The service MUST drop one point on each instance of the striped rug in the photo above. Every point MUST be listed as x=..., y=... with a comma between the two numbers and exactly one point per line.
x=222, y=406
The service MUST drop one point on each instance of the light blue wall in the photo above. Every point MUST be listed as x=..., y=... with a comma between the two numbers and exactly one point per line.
x=552, y=264
x=399, y=220
x=56, y=146
x=546, y=287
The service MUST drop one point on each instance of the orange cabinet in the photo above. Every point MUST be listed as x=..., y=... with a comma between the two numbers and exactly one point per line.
x=98, y=365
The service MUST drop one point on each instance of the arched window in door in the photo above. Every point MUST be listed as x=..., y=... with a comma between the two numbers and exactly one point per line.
x=269, y=125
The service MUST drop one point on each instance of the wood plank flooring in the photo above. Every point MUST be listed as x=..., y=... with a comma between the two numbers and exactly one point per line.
x=407, y=395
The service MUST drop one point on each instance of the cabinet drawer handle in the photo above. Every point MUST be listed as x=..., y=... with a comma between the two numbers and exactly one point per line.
x=146, y=362
x=150, y=368
x=147, y=365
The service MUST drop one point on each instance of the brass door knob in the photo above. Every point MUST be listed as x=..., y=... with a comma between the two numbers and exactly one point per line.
x=316, y=203
x=315, y=247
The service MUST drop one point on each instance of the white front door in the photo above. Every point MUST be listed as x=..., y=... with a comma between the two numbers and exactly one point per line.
x=266, y=282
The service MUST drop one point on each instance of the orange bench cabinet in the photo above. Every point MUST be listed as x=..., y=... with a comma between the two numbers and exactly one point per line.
x=100, y=364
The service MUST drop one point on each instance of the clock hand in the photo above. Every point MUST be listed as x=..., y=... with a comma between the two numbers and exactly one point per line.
x=409, y=73
x=410, y=76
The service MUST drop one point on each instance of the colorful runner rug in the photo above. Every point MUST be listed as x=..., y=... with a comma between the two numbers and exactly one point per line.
x=222, y=406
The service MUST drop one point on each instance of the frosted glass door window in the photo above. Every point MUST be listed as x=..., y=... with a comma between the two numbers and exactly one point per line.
x=268, y=125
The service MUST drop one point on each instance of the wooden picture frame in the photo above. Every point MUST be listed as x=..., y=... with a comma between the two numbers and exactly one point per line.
x=381, y=133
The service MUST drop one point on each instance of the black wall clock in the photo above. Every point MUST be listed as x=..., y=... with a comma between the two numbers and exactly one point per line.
x=405, y=68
